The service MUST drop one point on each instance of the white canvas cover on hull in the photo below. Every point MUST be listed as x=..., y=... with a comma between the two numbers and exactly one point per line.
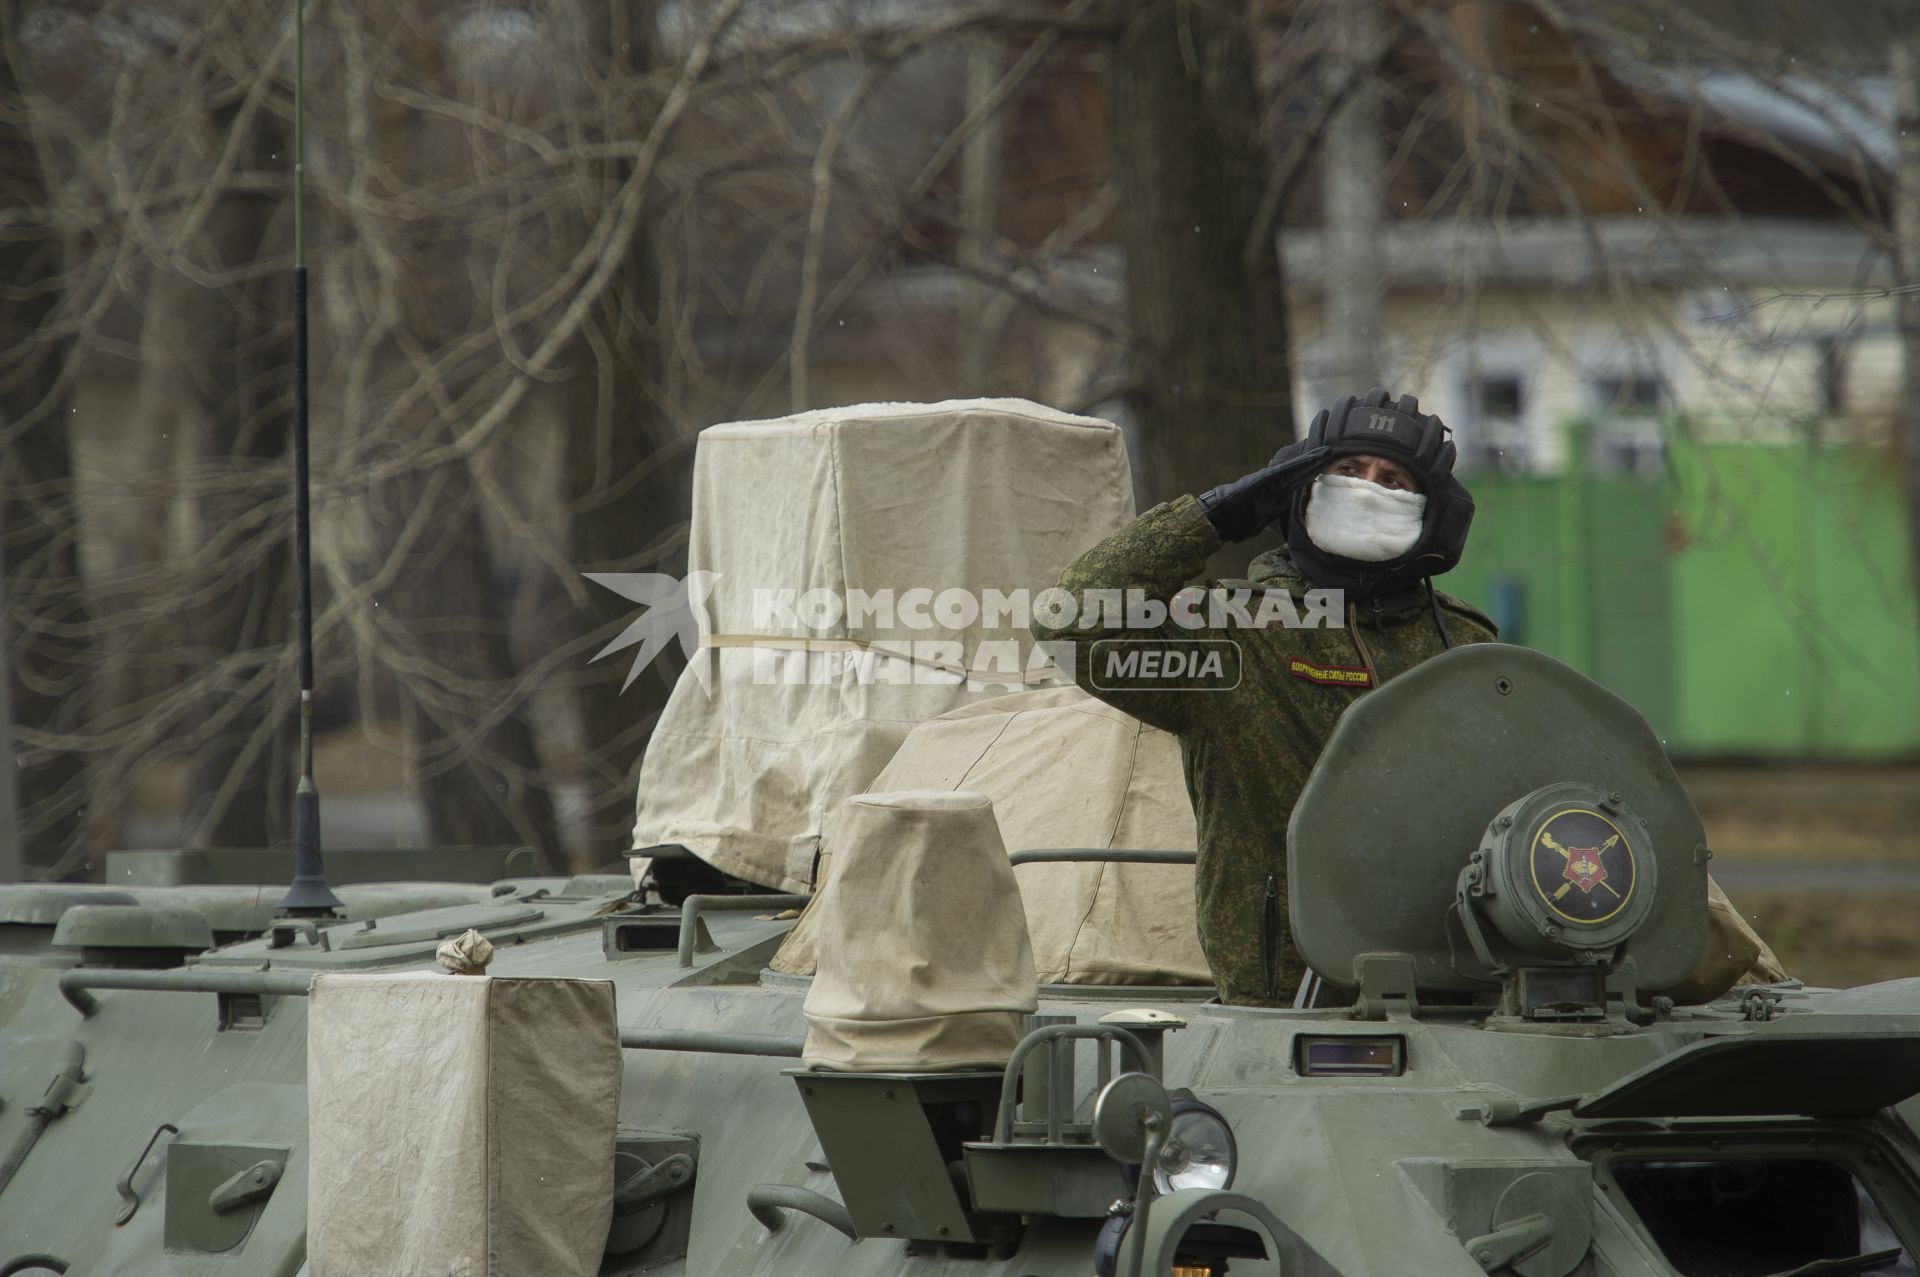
x=460, y=1124
x=924, y=959
x=1064, y=770
x=967, y=495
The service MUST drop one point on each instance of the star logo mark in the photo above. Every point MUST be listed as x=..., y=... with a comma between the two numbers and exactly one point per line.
x=676, y=609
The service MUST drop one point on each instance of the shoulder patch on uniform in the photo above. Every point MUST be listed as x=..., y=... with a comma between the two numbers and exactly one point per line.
x=1331, y=675
x=1467, y=610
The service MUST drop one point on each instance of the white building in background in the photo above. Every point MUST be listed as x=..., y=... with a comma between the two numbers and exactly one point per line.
x=1513, y=338
x=1760, y=313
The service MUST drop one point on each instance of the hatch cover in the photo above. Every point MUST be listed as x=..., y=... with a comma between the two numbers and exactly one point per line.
x=1757, y=1075
x=1402, y=794
x=438, y=924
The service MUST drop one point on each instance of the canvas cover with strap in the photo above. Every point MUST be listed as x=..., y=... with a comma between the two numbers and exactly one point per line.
x=748, y=769
x=1065, y=770
x=460, y=1124
x=924, y=959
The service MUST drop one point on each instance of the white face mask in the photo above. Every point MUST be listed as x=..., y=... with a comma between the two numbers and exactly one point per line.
x=1356, y=519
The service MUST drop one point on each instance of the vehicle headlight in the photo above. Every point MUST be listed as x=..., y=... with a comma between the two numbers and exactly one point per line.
x=1199, y=1151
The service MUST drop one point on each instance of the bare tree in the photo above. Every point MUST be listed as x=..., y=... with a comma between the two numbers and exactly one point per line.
x=549, y=243
x=44, y=634
x=627, y=456
x=425, y=260
x=218, y=317
x=1210, y=383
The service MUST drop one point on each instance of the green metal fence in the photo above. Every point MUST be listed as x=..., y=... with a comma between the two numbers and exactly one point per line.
x=1755, y=601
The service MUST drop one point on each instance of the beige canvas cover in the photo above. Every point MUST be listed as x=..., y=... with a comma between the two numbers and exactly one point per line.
x=924, y=960
x=1066, y=770
x=460, y=1124
x=1734, y=954
x=964, y=495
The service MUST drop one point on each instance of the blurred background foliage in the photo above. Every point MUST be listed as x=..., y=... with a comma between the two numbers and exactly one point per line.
x=1655, y=265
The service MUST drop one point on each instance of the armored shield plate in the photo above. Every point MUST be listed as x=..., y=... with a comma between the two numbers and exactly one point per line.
x=1772, y=1071
x=1403, y=793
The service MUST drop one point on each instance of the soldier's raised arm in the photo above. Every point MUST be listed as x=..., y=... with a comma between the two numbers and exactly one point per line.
x=1120, y=590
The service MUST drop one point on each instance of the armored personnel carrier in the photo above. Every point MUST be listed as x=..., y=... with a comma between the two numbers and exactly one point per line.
x=1502, y=1067
x=1487, y=1086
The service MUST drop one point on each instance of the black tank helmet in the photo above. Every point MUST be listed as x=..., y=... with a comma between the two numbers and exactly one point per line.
x=1382, y=426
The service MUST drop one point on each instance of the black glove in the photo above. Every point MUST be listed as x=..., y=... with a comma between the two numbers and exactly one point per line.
x=1238, y=510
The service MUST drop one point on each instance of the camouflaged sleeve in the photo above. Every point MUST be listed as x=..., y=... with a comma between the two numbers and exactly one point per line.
x=1155, y=556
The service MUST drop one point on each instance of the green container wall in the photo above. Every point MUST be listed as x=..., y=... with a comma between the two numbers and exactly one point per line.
x=1756, y=602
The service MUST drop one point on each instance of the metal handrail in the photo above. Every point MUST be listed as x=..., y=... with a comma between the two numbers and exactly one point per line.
x=74, y=986
x=693, y=906
x=1046, y=1036
x=1100, y=855
x=767, y=1201
x=711, y=1042
x=75, y=983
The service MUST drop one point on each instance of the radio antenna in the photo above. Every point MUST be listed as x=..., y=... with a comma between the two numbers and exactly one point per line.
x=307, y=896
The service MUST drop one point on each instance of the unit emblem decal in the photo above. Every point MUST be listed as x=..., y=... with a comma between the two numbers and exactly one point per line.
x=1582, y=865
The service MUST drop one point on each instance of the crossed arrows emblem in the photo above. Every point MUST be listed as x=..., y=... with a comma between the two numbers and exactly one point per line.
x=1583, y=867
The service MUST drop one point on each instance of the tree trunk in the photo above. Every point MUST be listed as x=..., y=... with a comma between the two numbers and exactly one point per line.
x=1353, y=162
x=235, y=343
x=628, y=487
x=475, y=765
x=427, y=589
x=45, y=637
x=1211, y=395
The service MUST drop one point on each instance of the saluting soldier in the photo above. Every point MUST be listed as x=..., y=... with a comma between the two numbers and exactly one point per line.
x=1370, y=512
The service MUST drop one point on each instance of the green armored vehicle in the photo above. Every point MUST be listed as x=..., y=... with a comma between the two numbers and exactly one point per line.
x=983, y=1048
x=1487, y=1083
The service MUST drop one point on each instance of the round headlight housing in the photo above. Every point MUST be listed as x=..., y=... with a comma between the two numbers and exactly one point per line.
x=1198, y=1152
x=1565, y=870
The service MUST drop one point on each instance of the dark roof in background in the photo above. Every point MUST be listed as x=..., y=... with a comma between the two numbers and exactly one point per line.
x=1835, y=35
x=1813, y=75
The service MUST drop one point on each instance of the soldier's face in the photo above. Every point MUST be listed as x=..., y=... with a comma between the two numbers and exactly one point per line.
x=1381, y=470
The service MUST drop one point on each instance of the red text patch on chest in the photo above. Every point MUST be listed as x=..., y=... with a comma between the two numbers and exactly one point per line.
x=1331, y=675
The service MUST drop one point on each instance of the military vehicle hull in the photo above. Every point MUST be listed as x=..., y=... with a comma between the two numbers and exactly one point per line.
x=1495, y=1079
x=1369, y=1174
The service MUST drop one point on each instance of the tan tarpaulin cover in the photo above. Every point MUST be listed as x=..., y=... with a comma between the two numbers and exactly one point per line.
x=460, y=1124
x=1734, y=954
x=924, y=960
x=1065, y=770
x=965, y=495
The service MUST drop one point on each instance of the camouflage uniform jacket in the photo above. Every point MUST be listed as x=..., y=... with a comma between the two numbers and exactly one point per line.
x=1247, y=750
